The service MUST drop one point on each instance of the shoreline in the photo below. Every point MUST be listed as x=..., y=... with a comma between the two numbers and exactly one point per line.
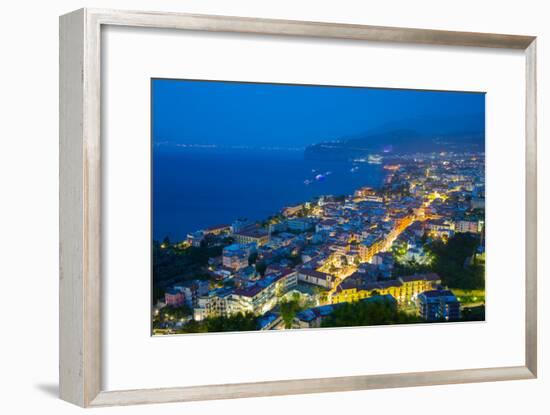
x=176, y=210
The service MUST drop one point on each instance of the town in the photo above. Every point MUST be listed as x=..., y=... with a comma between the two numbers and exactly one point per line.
x=411, y=251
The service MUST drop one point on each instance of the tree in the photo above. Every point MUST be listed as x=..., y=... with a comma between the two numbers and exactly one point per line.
x=410, y=267
x=261, y=267
x=157, y=293
x=473, y=313
x=171, y=313
x=288, y=311
x=235, y=322
x=252, y=258
x=399, y=250
x=227, y=240
x=449, y=262
x=367, y=313
x=176, y=265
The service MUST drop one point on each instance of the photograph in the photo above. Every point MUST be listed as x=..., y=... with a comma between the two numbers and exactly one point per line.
x=289, y=206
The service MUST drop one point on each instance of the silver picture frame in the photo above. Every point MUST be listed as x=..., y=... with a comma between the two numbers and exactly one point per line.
x=80, y=368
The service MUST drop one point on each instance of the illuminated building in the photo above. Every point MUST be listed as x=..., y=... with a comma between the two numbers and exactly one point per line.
x=235, y=260
x=300, y=224
x=214, y=304
x=312, y=276
x=439, y=228
x=268, y=321
x=251, y=299
x=312, y=317
x=365, y=191
x=257, y=298
x=403, y=289
x=258, y=236
x=439, y=305
x=291, y=210
x=465, y=225
x=217, y=230
x=195, y=239
x=235, y=256
x=416, y=284
x=370, y=247
x=240, y=224
x=192, y=290
x=174, y=298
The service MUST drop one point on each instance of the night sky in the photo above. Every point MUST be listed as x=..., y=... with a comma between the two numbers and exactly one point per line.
x=251, y=114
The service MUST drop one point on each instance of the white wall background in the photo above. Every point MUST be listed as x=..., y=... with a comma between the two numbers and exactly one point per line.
x=28, y=208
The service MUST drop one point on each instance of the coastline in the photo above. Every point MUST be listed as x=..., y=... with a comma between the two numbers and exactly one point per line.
x=400, y=246
x=188, y=184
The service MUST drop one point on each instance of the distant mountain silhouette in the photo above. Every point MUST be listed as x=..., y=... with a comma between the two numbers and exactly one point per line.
x=420, y=136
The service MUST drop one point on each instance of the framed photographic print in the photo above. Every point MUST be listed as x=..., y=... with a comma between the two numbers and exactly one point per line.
x=362, y=209
x=243, y=198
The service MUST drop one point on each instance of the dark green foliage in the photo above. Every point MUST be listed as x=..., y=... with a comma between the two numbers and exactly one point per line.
x=201, y=255
x=170, y=314
x=176, y=312
x=473, y=313
x=399, y=250
x=295, y=259
x=272, y=220
x=368, y=313
x=450, y=262
x=157, y=294
x=227, y=240
x=289, y=310
x=193, y=327
x=410, y=268
x=252, y=258
x=171, y=263
x=261, y=267
x=237, y=322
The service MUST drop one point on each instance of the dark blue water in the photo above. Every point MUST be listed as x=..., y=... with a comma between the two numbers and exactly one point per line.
x=193, y=189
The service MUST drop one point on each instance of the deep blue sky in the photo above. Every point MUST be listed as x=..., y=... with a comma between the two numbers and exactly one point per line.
x=234, y=114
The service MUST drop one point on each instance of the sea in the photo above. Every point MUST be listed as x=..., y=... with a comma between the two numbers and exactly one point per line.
x=197, y=188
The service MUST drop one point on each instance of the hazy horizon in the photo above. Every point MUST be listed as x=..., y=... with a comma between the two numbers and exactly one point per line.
x=232, y=114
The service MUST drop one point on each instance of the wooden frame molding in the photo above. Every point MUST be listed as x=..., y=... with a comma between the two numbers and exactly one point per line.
x=80, y=206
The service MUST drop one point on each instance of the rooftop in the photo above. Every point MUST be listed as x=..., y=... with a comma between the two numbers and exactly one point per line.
x=435, y=294
x=252, y=232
